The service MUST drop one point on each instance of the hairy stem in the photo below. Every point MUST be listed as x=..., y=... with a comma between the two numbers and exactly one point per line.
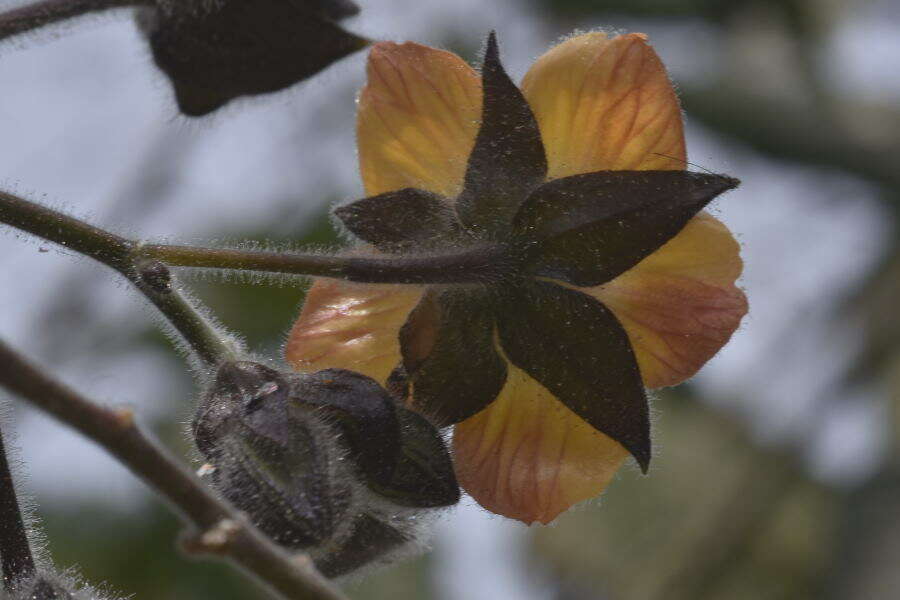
x=39, y=14
x=15, y=551
x=470, y=266
x=476, y=265
x=222, y=529
x=151, y=278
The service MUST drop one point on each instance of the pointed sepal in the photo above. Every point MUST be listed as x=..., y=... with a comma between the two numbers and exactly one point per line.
x=508, y=158
x=407, y=219
x=588, y=229
x=574, y=346
x=450, y=357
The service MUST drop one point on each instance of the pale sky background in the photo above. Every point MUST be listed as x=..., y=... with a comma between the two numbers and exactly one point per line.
x=83, y=107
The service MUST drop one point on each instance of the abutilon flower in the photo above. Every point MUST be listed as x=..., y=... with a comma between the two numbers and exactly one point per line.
x=603, y=274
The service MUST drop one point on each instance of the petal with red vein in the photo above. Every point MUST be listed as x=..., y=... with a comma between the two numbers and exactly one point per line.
x=680, y=305
x=417, y=120
x=605, y=104
x=351, y=326
x=530, y=458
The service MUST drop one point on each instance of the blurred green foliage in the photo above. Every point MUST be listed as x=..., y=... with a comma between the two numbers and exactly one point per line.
x=716, y=518
x=132, y=550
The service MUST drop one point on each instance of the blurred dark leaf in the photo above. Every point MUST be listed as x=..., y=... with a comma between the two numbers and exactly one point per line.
x=214, y=52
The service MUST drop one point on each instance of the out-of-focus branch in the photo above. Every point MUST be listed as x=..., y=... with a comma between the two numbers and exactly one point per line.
x=718, y=535
x=40, y=14
x=151, y=278
x=779, y=129
x=703, y=548
x=721, y=493
x=222, y=530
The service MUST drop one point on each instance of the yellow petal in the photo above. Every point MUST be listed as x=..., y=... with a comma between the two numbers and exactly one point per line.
x=351, y=326
x=417, y=121
x=605, y=104
x=530, y=458
x=680, y=305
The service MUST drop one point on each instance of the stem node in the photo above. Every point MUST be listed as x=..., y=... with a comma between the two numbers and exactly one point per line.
x=155, y=275
x=215, y=540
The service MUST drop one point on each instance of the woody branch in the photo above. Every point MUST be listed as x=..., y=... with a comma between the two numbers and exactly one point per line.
x=221, y=530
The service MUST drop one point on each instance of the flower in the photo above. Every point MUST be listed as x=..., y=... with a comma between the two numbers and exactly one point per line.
x=612, y=278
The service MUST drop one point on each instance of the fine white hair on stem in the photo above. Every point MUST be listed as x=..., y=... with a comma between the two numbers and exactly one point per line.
x=262, y=278
x=64, y=208
x=228, y=276
x=44, y=570
x=69, y=580
x=27, y=506
x=198, y=367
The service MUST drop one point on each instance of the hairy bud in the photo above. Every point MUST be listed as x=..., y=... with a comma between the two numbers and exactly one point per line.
x=325, y=462
x=214, y=51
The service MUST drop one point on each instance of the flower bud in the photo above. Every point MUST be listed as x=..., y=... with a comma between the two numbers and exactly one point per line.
x=324, y=462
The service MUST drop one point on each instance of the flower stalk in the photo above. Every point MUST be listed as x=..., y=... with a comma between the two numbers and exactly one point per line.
x=150, y=278
x=140, y=263
x=477, y=265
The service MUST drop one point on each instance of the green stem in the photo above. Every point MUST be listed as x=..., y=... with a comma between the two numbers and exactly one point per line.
x=202, y=337
x=477, y=265
x=471, y=266
x=39, y=14
x=151, y=279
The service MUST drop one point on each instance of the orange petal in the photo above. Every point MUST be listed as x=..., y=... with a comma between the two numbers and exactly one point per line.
x=605, y=104
x=351, y=326
x=417, y=121
x=680, y=304
x=530, y=458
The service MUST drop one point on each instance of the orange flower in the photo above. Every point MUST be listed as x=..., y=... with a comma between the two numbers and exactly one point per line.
x=616, y=278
